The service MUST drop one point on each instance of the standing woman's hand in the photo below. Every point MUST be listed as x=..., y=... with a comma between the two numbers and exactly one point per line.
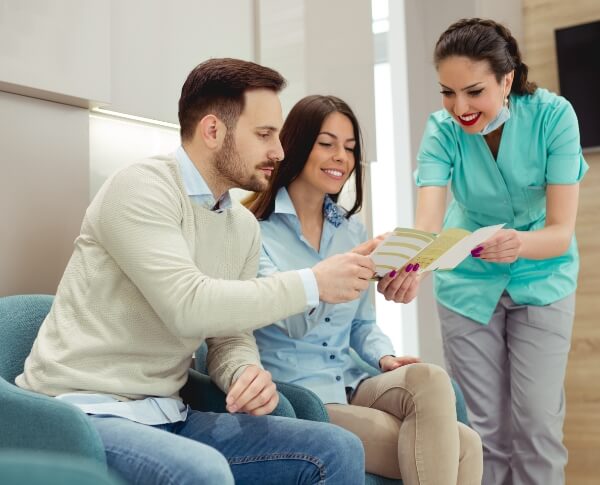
x=503, y=247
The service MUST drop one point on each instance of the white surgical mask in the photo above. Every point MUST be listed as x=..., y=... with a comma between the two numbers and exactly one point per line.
x=501, y=118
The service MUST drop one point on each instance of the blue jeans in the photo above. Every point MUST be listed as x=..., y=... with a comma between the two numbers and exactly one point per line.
x=215, y=448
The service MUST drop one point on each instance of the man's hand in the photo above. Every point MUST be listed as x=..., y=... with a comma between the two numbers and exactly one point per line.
x=254, y=393
x=369, y=246
x=342, y=277
x=389, y=362
x=400, y=286
x=503, y=247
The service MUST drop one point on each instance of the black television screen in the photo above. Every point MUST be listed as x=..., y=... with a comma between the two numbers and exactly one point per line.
x=578, y=55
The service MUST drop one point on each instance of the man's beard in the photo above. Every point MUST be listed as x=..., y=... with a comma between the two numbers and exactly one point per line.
x=229, y=165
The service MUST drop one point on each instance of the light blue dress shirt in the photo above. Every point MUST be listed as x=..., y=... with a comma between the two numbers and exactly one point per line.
x=196, y=187
x=539, y=146
x=161, y=410
x=311, y=349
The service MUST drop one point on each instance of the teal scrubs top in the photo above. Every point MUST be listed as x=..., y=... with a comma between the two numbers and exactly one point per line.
x=539, y=146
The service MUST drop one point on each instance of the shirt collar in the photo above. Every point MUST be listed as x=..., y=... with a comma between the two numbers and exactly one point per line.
x=283, y=203
x=331, y=211
x=195, y=185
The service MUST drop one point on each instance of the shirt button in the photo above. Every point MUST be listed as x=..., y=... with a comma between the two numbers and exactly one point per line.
x=338, y=378
x=327, y=319
x=324, y=344
x=332, y=356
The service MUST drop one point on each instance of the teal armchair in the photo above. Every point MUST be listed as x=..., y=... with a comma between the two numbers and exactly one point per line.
x=42, y=440
x=31, y=421
x=18, y=467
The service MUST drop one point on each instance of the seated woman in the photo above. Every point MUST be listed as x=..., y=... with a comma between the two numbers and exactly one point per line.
x=406, y=416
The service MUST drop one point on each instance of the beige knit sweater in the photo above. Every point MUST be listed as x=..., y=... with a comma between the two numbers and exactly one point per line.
x=151, y=277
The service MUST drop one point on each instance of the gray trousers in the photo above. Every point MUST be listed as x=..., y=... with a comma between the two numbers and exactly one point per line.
x=512, y=374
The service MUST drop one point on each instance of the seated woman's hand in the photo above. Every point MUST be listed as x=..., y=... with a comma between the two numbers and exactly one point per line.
x=254, y=392
x=399, y=285
x=391, y=362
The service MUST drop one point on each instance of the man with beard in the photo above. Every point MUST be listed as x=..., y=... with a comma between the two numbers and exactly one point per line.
x=165, y=260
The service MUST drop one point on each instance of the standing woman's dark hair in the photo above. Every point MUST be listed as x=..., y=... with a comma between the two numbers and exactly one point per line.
x=479, y=40
x=298, y=135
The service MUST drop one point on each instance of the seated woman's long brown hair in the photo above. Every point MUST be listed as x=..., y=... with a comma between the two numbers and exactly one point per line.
x=298, y=135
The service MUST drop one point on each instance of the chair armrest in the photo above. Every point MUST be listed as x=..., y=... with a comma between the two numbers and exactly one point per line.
x=461, y=407
x=36, y=422
x=305, y=403
x=49, y=468
x=362, y=365
x=202, y=394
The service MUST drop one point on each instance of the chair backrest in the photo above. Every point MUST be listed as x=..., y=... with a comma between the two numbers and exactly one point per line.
x=20, y=320
x=200, y=359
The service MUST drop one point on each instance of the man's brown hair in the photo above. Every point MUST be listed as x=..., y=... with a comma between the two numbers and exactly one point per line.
x=217, y=86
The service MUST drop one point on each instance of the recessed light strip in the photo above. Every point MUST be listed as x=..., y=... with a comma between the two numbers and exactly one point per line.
x=115, y=114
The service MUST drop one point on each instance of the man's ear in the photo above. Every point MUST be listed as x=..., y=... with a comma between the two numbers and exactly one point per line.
x=211, y=130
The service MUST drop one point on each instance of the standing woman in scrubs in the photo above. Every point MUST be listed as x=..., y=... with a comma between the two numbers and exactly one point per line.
x=512, y=154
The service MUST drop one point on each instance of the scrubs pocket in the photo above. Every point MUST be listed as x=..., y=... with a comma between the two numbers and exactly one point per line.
x=536, y=200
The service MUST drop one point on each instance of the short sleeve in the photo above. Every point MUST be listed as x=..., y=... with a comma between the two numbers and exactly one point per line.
x=565, y=163
x=436, y=153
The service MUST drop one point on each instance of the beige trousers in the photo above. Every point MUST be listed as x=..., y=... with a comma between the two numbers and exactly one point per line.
x=406, y=419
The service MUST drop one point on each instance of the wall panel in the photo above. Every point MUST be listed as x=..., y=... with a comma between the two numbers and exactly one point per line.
x=155, y=44
x=56, y=50
x=43, y=190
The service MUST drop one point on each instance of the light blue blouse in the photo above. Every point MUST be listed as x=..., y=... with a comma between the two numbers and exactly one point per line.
x=312, y=349
x=539, y=146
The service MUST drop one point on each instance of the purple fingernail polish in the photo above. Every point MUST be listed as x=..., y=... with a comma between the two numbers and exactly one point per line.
x=478, y=248
x=392, y=273
x=409, y=268
x=416, y=267
x=475, y=255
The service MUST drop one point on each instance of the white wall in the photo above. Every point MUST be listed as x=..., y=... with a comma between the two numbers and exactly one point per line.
x=43, y=190
x=281, y=40
x=155, y=44
x=57, y=50
x=134, y=54
x=324, y=48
